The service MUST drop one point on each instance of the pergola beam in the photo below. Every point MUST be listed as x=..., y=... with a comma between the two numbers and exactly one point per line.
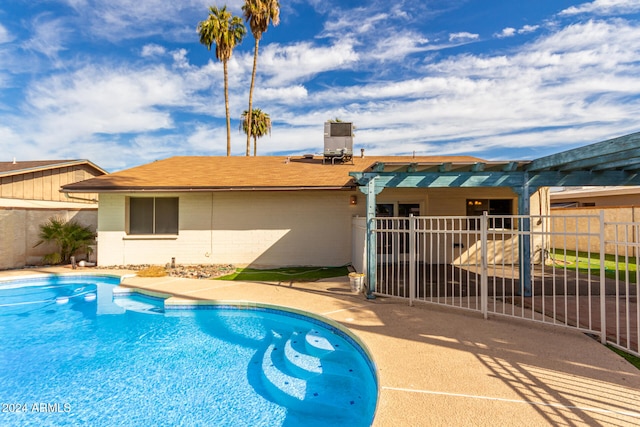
x=591, y=154
x=604, y=162
x=497, y=179
x=478, y=167
x=626, y=164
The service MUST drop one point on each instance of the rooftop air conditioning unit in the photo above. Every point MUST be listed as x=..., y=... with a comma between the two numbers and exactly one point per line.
x=338, y=139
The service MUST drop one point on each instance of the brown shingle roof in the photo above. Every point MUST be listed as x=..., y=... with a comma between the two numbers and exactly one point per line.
x=264, y=172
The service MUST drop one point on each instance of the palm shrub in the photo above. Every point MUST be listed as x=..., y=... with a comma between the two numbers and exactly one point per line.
x=260, y=125
x=70, y=237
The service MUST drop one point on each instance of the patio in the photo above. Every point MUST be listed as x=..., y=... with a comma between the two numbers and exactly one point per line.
x=572, y=300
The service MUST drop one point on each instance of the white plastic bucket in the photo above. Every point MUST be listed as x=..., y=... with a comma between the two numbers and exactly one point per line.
x=356, y=282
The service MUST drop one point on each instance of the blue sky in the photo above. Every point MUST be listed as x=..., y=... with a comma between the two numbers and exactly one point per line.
x=126, y=82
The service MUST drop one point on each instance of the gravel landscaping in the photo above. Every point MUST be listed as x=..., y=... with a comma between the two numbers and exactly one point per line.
x=202, y=271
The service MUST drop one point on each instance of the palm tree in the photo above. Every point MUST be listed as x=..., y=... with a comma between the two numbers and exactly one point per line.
x=226, y=31
x=259, y=13
x=260, y=125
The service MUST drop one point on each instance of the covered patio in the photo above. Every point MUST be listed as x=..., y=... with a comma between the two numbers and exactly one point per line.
x=410, y=270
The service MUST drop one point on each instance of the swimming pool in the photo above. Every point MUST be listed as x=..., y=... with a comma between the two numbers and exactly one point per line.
x=73, y=354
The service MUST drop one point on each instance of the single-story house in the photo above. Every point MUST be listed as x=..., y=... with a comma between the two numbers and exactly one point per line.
x=269, y=211
x=30, y=195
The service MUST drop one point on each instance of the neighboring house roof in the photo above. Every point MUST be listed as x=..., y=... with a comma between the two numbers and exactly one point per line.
x=584, y=192
x=23, y=167
x=42, y=204
x=244, y=173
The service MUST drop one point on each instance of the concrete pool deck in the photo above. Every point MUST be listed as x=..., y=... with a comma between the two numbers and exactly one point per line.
x=445, y=367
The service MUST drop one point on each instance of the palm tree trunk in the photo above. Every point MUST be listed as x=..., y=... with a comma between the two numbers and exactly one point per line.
x=255, y=145
x=226, y=107
x=253, y=79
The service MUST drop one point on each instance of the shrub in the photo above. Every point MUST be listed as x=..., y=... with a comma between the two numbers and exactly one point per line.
x=70, y=237
x=152, y=271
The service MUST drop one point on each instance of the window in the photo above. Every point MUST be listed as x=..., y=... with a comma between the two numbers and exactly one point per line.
x=388, y=241
x=475, y=207
x=153, y=215
x=404, y=209
x=384, y=210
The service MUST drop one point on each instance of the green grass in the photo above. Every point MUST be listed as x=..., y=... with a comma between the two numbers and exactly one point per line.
x=585, y=262
x=288, y=274
x=634, y=360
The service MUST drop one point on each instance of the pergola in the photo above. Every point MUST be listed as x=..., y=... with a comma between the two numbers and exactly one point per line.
x=611, y=162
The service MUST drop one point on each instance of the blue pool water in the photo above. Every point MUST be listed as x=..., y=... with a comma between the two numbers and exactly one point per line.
x=72, y=354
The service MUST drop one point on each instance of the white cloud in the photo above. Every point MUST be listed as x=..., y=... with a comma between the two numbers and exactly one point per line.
x=290, y=63
x=396, y=48
x=48, y=35
x=506, y=32
x=129, y=19
x=604, y=7
x=556, y=82
x=109, y=101
x=510, y=32
x=286, y=95
x=298, y=139
x=204, y=138
x=462, y=37
x=153, y=50
x=528, y=29
x=346, y=24
x=5, y=36
x=9, y=141
x=180, y=58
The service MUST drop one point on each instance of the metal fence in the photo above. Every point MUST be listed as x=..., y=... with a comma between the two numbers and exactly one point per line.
x=580, y=271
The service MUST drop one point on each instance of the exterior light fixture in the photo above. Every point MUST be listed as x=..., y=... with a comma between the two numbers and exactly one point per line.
x=353, y=199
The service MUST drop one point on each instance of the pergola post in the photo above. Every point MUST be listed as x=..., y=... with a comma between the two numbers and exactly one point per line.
x=524, y=232
x=370, y=190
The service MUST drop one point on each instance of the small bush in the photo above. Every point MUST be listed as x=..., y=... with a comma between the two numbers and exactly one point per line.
x=53, y=258
x=152, y=271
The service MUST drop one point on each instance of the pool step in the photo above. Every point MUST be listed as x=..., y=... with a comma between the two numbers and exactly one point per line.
x=139, y=303
x=317, y=344
x=298, y=361
x=273, y=367
x=306, y=382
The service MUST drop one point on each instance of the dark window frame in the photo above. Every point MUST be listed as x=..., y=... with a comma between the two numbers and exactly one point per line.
x=499, y=207
x=388, y=210
x=153, y=216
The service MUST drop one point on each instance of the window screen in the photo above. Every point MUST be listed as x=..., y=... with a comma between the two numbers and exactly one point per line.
x=166, y=215
x=141, y=216
x=153, y=215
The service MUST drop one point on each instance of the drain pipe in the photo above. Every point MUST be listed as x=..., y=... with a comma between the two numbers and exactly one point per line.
x=68, y=196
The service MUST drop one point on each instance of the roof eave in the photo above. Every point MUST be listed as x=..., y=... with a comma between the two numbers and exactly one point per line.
x=200, y=189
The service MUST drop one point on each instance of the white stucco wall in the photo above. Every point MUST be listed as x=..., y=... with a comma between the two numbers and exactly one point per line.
x=276, y=228
x=260, y=229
